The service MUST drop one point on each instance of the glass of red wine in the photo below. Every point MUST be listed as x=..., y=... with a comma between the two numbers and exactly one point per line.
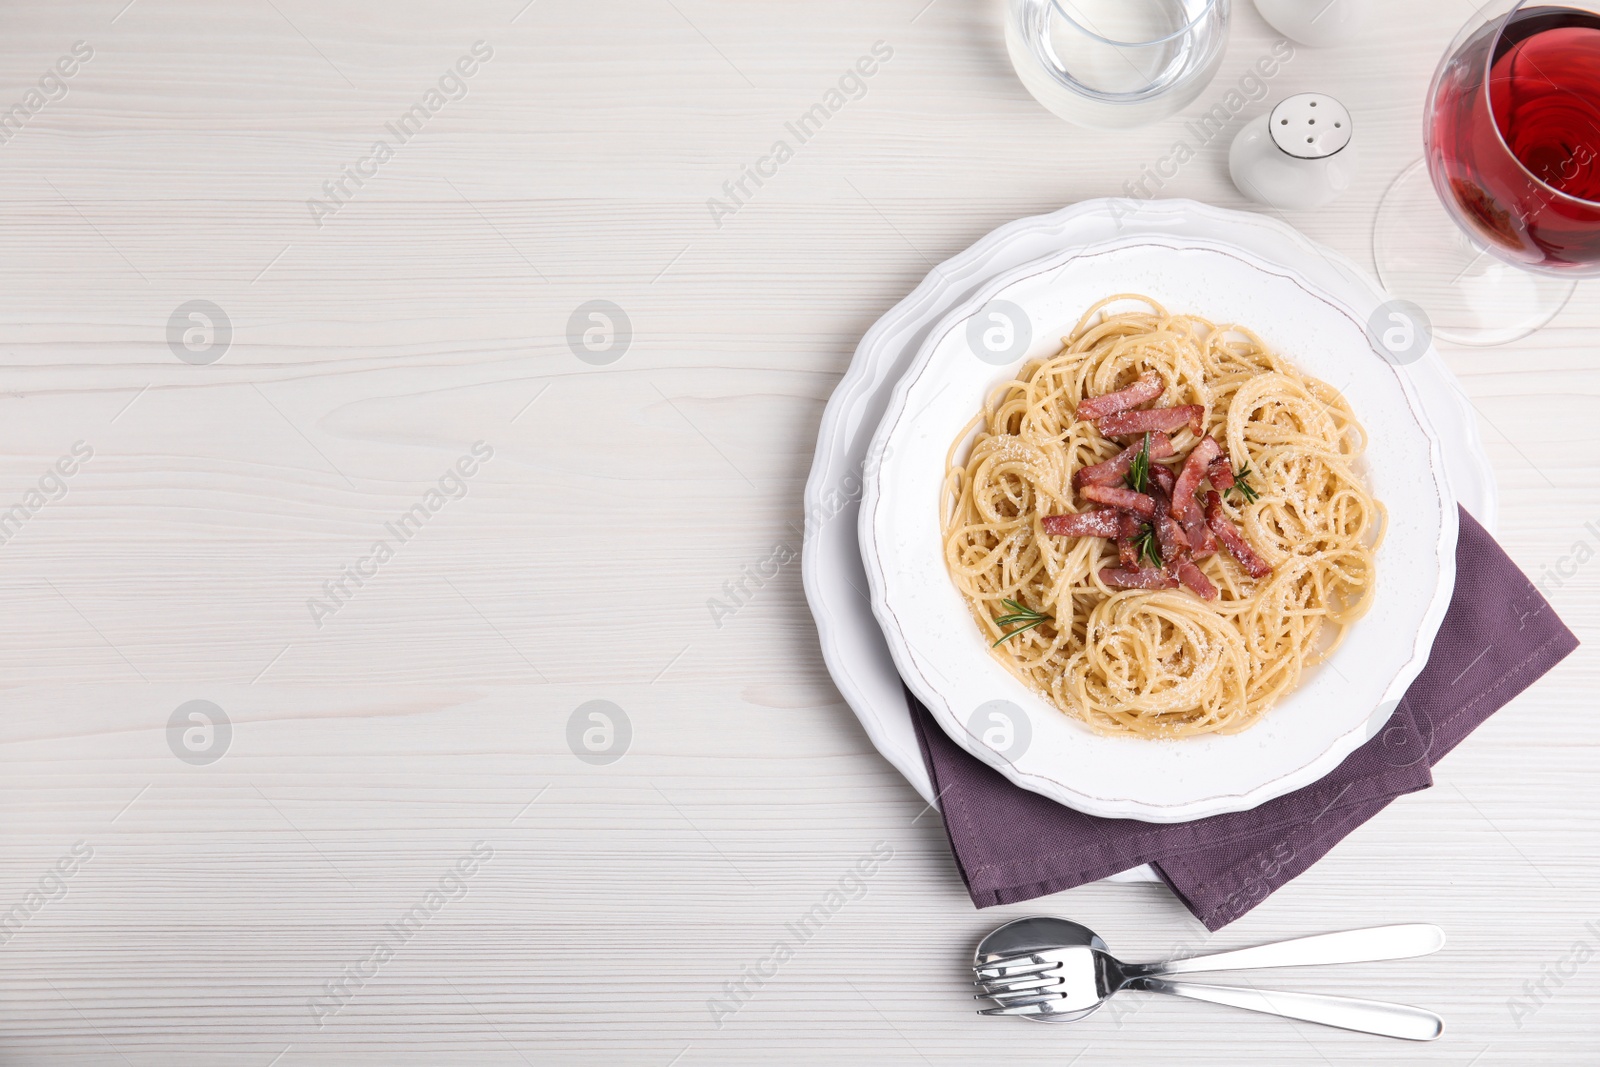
x=1512, y=153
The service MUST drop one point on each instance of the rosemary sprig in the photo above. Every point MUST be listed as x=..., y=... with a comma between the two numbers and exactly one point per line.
x=1139, y=469
x=1019, y=613
x=1244, y=488
x=1149, y=545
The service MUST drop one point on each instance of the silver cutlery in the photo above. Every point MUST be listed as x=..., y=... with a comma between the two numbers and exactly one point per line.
x=1051, y=969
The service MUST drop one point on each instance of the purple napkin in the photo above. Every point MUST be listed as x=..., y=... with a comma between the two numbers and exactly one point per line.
x=1497, y=639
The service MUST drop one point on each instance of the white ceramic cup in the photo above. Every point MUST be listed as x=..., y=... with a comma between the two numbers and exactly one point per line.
x=1316, y=23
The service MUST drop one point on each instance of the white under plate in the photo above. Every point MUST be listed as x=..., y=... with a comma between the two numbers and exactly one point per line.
x=945, y=659
x=852, y=646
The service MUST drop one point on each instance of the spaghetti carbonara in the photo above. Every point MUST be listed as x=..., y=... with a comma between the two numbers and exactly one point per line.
x=1161, y=526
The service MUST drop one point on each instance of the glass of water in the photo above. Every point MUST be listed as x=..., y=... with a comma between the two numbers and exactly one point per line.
x=1111, y=64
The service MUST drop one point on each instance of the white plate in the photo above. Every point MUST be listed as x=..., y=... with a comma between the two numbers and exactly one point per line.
x=852, y=646
x=942, y=655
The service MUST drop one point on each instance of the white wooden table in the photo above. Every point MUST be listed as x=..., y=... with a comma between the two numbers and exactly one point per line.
x=403, y=749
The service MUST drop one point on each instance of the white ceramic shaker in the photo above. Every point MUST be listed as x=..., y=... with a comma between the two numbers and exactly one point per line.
x=1299, y=156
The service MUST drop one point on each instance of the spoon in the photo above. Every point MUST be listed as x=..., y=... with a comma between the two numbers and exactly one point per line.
x=1054, y=970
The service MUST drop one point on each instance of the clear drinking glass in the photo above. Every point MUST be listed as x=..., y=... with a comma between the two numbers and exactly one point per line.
x=1489, y=232
x=1111, y=64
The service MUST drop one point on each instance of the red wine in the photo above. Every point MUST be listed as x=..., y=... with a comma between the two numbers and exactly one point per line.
x=1519, y=165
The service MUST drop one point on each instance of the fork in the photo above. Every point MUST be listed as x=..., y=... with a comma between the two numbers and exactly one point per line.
x=1077, y=979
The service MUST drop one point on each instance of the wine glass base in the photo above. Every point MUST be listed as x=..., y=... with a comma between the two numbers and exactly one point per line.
x=1471, y=297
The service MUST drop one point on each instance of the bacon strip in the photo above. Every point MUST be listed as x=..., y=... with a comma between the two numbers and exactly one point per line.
x=1148, y=387
x=1116, y=468
x=1101, y=522
x=1146, y=419
x=1126, y=499
x=1127, y=551
x=1164, y=477
x=1142, y=578
x=1220, y=471
x=1233, y=539
x=1191, y=576
x=1174, y=542
x=1202, y=542
x=1184, y=507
